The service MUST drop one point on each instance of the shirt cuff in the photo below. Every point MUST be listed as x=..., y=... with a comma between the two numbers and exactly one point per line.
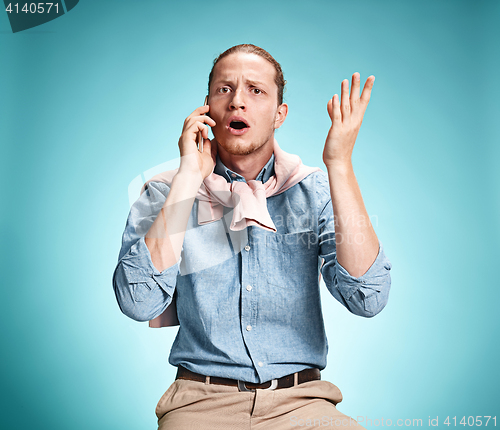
x=374, y=280
x=138, y=267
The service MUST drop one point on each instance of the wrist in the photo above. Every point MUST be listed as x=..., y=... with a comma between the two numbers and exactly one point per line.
x=339, y=167
x=191, y=178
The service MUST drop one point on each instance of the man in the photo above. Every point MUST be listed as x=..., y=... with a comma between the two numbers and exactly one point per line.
x=240, y=233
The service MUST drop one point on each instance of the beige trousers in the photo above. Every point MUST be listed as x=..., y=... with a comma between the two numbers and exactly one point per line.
x=195, y=405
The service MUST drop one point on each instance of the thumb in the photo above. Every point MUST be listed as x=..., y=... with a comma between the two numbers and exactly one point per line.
x=207, y=146
x=329, y=108
x=210, y=149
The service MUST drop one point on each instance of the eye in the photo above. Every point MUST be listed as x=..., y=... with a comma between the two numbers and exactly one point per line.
x=256, y=91
x=223, y=90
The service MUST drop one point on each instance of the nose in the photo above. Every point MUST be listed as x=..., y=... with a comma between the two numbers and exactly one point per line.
x=237, y=102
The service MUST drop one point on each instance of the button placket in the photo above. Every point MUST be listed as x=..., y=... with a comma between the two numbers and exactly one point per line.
x=247, y=305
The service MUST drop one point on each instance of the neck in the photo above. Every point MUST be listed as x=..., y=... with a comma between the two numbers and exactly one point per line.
x=248, y=166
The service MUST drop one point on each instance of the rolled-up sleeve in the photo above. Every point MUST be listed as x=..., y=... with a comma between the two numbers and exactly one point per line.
x=142, y=292
x=366, y=295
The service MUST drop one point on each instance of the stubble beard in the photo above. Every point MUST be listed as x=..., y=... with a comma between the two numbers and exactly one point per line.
x=238, y=149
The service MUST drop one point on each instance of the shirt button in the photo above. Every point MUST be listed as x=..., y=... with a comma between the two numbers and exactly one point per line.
x=260, y=363
x=249, y=288
x=247, y=248
x=249, y=327
x=233, y=175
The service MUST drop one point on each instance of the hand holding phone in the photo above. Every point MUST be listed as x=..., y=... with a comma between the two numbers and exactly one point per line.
x=196, y=154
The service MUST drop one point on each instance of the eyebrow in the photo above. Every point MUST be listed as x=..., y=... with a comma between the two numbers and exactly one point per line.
x=247, y=81
x=255, y=83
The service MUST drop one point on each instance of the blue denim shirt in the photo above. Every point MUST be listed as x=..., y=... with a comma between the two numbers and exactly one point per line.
x=248, y=302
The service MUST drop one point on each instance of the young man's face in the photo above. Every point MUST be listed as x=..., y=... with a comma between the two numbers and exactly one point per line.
x=243, y=102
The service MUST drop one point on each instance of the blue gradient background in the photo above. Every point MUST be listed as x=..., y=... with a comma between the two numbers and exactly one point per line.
x=94, y=98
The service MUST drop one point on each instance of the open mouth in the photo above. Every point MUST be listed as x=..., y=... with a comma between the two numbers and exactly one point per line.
x=237, y=126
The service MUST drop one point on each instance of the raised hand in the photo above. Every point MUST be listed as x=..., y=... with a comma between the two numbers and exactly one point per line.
x=346, y=117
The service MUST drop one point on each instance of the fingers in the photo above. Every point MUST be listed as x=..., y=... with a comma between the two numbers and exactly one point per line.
x=367, y=90
x=195, y=131
x=333, y=108
x=199, y=114
x=345, y=103
x=204, y=132
x=195, y=125
x=355, y=89
x=202, y=110
x=349, y=106
x=190, y=120
x=190, y=137
x=198, y=127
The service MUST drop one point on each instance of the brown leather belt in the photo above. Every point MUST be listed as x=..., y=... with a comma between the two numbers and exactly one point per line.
x=288, y=381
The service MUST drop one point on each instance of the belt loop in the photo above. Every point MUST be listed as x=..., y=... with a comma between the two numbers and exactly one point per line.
x=207, y=380
x=296, y=379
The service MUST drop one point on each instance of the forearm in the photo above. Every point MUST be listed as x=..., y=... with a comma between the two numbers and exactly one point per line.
x=356, y=241
x=166, y=235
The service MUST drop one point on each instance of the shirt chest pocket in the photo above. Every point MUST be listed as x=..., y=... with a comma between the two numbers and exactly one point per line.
x=291, y=259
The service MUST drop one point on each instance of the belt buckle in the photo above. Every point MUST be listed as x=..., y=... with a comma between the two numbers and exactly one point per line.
x=242, y=386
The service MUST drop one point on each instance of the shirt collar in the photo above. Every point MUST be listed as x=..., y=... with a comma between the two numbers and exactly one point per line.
x=230, y=176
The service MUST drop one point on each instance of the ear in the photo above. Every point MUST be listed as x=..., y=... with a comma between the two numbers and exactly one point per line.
x=281, y=114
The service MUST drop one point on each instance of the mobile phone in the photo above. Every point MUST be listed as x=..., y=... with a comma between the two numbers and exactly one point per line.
x=200, y=136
